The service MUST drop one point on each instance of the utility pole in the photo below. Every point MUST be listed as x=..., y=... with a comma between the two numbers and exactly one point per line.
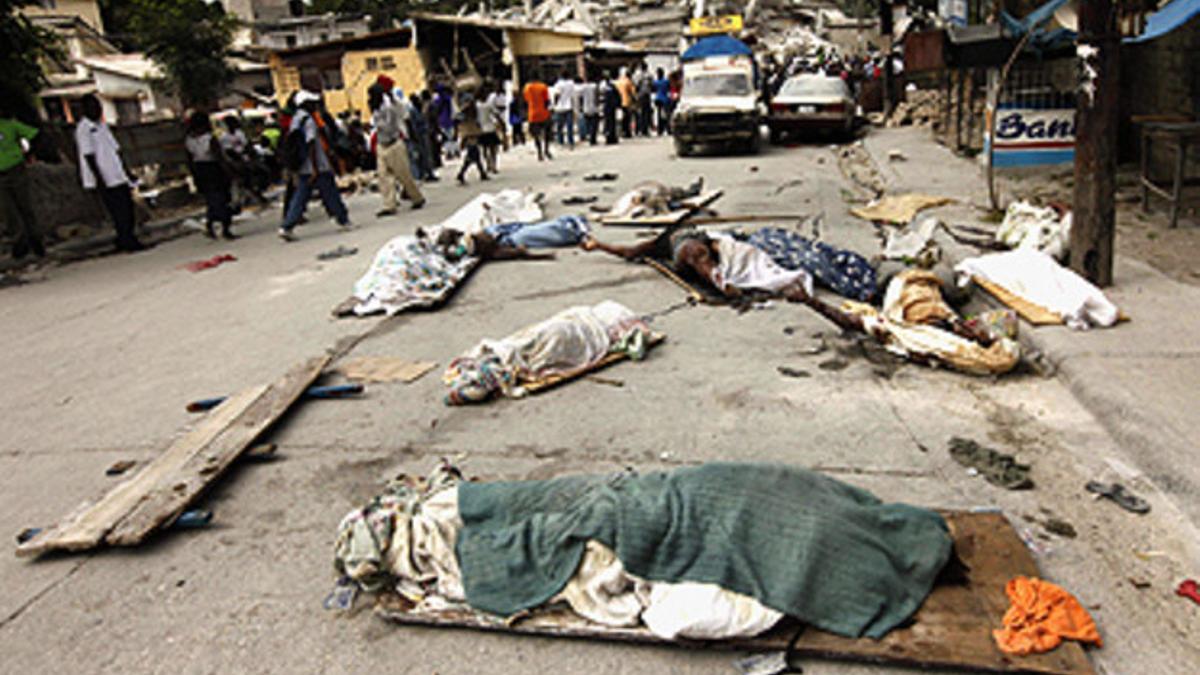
x=885, y=35
x=1094, y=220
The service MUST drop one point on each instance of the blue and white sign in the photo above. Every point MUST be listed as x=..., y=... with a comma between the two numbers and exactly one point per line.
x=1026, y=137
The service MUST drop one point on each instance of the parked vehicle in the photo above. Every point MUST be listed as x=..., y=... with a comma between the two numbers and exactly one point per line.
x=719, y=103
x=812, y=102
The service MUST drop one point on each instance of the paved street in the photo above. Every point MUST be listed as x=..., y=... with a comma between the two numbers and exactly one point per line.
x=101, y=356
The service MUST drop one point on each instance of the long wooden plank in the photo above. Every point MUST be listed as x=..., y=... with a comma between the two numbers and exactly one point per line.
x=169, y=498
x=952, y=629
x=690, y=206
x=87, y=525
x=162, y=490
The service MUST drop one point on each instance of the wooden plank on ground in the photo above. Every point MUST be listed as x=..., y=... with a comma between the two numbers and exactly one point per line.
x=156, y=495
x=688, y=207
x=952, y=630
x=552, y=381
x=696, y=294
x=1033, y=313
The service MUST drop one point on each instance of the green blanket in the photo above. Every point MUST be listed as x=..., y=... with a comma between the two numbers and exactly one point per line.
x=804, y=544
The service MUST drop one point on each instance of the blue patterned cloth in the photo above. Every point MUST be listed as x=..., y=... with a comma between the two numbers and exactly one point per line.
x=562, y=231
x=845, y=272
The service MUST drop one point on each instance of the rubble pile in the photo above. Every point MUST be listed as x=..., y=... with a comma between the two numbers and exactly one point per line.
x=786, y=28
x=920, y=108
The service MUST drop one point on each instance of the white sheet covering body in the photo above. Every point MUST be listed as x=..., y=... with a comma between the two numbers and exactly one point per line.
x=408, y=272
x=749, y=268
x=1038, y=278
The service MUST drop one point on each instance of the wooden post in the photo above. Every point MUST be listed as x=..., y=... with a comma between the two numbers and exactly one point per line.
x=885, y=30
x=1094, y=220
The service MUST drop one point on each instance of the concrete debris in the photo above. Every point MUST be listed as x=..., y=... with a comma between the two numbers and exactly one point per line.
x=919, y=108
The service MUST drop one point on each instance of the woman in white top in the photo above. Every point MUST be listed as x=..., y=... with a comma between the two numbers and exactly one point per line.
x=211, y=173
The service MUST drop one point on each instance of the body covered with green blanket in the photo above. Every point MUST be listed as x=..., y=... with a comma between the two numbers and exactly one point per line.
x=804, y=544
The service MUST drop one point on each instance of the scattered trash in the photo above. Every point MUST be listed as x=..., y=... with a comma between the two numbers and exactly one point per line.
x=120, y=467
x=215, y=261
x=790, y=184
x=1044, y=228
x=1140, y=584
x=664, y=456
x=574, y=200
x=899, y=208
x=1059, y=527
x=334, y=391
x=606, y=380
x=28, y=534
x=752, y=168
x=997, y=468
x=342, y=597
x=896, y=156
x=385, y=369
x=601, y=177
x=261, y=452
x=339, y=252
x=833, y=365
x=793, y=372
x=1117, y=493
x=1147, y=556
x=772, y=663
x=1188, y=589
x=191, y=520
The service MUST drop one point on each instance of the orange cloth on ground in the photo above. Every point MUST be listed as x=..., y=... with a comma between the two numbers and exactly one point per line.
x=1041, y=616
x=537, y=100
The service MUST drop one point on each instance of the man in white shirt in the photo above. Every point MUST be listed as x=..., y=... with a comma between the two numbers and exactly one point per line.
x=589, y=109
x=101, y=168
x=563, y=101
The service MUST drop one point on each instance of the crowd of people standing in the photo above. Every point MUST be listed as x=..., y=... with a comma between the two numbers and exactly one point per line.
x=405, y=141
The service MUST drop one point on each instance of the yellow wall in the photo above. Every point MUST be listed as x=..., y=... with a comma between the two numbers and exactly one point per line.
x=543, y=43
x=284, y=78
x=406, y=70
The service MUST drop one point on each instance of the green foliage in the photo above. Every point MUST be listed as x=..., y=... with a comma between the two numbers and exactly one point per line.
x=190, y=40
x=23, y=48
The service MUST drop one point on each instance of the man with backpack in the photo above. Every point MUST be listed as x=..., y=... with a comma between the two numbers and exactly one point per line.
x=307, y=152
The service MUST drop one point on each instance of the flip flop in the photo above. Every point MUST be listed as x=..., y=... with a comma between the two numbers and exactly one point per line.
x=1117, y=493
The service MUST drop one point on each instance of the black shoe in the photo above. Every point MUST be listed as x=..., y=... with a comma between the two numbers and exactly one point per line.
x=38, y=249
x=133, y=247
x=20, y=250
x=418, y=205
x=227, y=235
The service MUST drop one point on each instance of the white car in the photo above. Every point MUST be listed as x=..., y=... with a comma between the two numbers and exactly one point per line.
x=812, y=102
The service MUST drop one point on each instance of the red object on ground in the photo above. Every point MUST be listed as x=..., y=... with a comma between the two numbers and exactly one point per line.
x=1189, y=589
x=201, y=265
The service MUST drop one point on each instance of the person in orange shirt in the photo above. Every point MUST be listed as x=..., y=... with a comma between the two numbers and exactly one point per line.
x=537, y=102
x=628, y=98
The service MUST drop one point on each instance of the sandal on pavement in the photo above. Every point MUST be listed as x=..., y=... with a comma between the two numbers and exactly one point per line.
x=1116, y=492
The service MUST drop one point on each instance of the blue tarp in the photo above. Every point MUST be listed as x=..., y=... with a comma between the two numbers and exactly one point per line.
x=717, y=45
x=1168, y=19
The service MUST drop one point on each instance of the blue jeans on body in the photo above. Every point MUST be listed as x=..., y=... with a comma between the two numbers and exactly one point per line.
x=564, y=121
x=330, y=197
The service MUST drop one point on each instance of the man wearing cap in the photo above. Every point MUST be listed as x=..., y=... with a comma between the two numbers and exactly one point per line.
x=315, y=172
x=390, y=149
